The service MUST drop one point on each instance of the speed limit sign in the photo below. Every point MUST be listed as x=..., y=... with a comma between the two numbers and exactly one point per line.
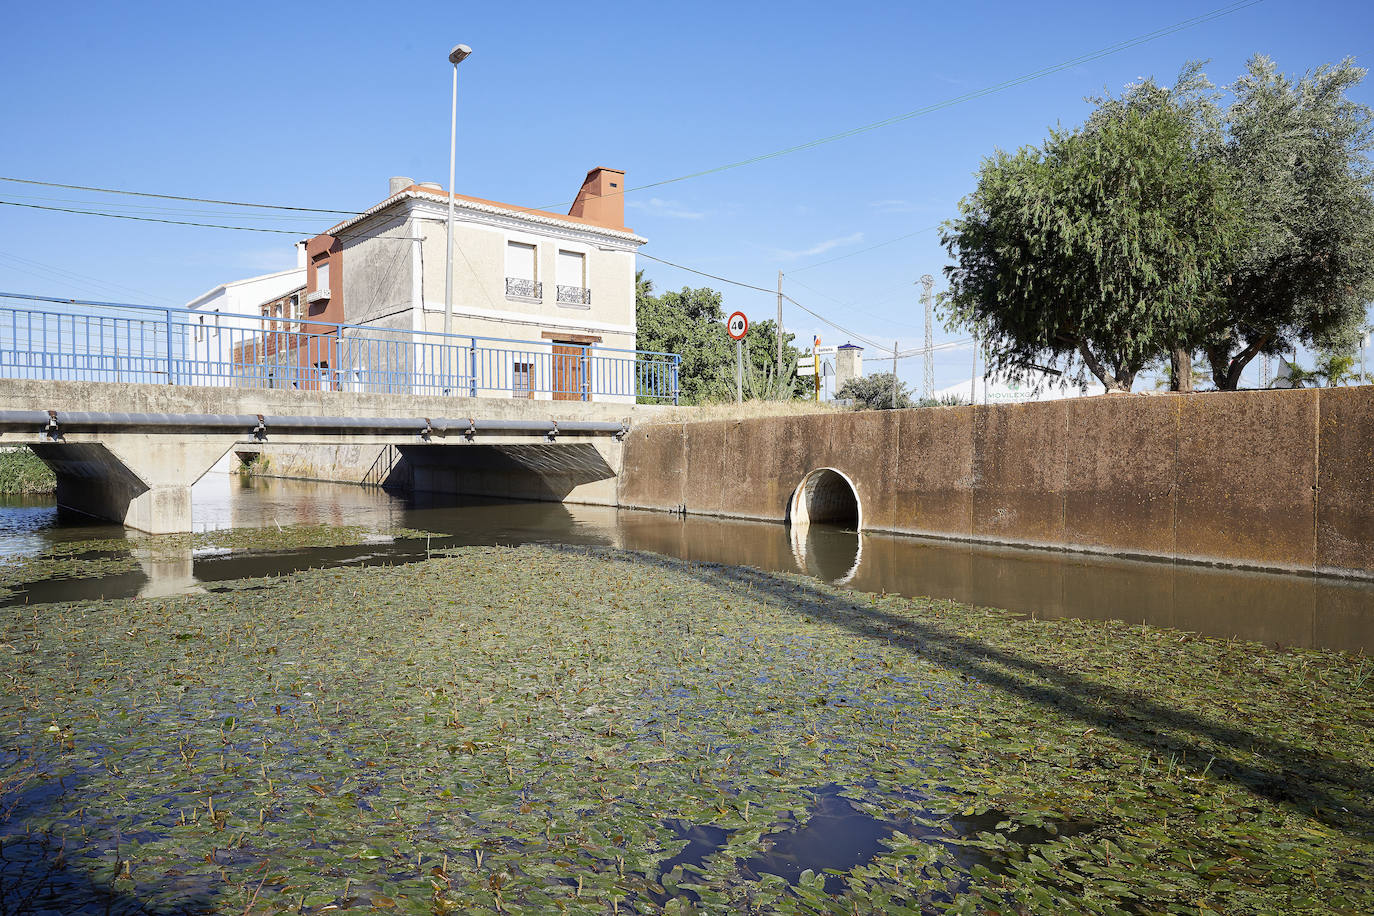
x=738, y=325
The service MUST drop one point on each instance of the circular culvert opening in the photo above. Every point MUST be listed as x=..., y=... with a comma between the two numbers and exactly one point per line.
x=826, y=496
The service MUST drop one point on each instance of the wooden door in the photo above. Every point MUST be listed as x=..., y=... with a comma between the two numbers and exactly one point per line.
x=567, y=372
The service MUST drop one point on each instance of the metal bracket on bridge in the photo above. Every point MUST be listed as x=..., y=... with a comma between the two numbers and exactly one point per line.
x=260, y=431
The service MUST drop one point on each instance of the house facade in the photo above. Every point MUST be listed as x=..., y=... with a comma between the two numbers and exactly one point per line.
x=543, y=302
x=227, y=319
x=547, y=299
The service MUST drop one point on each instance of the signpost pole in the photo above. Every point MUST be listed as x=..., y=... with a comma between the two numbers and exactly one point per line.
x=815, y=373
x=780, y=325
x=894, y=375
x=739, y=372
x=737, y=326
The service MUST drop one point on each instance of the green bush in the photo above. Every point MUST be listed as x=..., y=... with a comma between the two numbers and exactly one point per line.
x=21, y=471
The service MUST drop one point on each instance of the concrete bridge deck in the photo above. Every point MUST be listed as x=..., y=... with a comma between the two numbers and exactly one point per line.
x=129, y=453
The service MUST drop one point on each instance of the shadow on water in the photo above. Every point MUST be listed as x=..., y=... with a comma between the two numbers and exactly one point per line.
x=39, y=874
x=835, y=835
x=1335, y=792
x=1274, y=608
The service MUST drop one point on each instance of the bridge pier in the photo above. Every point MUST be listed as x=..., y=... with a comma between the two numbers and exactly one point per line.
x=138, y=480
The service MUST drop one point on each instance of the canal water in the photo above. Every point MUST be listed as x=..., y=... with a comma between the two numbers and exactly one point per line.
x=1278, y=609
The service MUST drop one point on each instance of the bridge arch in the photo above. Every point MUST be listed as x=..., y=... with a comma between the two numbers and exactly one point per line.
x=826, y=495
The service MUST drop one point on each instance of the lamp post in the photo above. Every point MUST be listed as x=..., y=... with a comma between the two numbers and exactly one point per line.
x=1364, y=345
x=456, y=57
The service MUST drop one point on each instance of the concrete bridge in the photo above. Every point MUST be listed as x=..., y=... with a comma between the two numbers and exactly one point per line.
x=129, y=453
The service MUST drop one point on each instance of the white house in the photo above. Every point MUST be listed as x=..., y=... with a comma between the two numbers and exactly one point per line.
x=229, y=318
x=544, y=302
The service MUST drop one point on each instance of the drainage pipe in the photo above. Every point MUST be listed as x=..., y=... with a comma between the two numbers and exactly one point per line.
x=31, y=420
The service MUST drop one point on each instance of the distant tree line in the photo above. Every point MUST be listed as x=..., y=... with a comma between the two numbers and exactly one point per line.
x=1168, y=228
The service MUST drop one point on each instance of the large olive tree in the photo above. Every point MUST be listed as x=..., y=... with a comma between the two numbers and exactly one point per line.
x=1103, y=247
x=1298, y=153
x=1166, y=227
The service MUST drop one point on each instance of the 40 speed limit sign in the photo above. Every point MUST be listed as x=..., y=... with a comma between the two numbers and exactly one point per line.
x=737, y=325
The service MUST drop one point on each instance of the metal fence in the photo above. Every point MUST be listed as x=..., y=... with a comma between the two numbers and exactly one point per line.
x=48, y=338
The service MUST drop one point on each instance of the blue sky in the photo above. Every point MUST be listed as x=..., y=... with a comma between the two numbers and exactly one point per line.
x=318, y=106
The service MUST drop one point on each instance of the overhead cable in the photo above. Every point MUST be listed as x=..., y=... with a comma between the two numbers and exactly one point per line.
x=771, y=292
x=1107, y=51
x=693, y=270
x=152, y=219
x=302, y=233
x=201, y=200
x=850, y=254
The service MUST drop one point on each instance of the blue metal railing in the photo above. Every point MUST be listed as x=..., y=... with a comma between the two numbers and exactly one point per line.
x=48, y=338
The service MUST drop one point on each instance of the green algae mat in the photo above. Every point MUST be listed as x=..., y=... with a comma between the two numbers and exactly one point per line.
x=559, y=730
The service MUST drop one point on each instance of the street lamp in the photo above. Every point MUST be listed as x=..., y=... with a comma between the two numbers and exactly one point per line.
x=456, y=56
x=1364, y=345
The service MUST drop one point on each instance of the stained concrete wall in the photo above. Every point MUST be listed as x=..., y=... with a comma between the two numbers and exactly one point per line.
x=1271, y=479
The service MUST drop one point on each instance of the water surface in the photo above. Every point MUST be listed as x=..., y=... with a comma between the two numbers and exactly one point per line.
x=1274, y=608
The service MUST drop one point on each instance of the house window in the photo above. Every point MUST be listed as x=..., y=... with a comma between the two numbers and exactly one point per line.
x=522, y=271
x=322, y=289
x=522, y=380
x=572, y=279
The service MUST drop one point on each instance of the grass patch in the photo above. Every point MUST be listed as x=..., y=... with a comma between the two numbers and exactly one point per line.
x=21, y=472
x=566, y=730
x=731, y=411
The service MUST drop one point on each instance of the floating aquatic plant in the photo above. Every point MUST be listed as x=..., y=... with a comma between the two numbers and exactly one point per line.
x=537, y=729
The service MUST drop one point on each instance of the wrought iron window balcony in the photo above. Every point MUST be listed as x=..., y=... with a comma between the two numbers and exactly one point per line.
x=524, y=289
x=574, y=295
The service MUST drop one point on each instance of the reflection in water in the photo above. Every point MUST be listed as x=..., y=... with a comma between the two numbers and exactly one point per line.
x=1267, y=607
x=167, y=575
x=827, y=552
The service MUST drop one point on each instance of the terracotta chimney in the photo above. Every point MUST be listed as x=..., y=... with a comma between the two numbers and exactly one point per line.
x=601, y=199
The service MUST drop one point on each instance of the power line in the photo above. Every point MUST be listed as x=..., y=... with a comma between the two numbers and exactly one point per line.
x=201, y=200
x=702, y=273
x=177, y=222
x=1107, y=51
x=301, y=233
x=852, y=307
x=148, y=219
x=741, y=283
x=152, y=209
x=839, y=327
x=841, y=257
x=38, y=269
x=151, y=219
x=969, y=96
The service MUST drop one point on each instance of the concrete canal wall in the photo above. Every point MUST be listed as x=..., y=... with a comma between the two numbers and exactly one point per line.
x=1273, y=479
